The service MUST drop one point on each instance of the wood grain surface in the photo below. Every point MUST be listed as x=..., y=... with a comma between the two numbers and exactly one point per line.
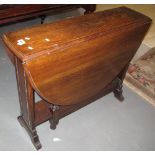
x=71, y=60
x=10, y=13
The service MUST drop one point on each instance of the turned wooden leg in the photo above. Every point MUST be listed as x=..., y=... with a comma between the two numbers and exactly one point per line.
x=118, y=89
x=87, y=12
x=27, y=104
x=42, y=18
x=118, y=84
x=89, y=8
x=53, y=121
x=53, y=124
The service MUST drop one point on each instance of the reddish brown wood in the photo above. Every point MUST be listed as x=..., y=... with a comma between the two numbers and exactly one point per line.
x=10, y=13
x=43, y=113
x=73, y=62
x=84, y=55
x=27, y=104
x=15, y=12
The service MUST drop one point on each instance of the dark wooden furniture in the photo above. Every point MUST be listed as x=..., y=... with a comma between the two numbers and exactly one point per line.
x=72, y=62
x=16, y=12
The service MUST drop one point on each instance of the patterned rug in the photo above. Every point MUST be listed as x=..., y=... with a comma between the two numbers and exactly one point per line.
x=141, y=76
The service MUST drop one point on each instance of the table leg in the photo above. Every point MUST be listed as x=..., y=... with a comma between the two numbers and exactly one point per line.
x=53, y=121
x=89, y=8
x=118, y=89
x=42, y=19
x=27, y=104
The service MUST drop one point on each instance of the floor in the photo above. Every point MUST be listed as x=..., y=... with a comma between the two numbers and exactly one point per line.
x=106, y=124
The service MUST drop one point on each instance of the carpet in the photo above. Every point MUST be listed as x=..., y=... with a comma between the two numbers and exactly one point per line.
x=140, y=76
